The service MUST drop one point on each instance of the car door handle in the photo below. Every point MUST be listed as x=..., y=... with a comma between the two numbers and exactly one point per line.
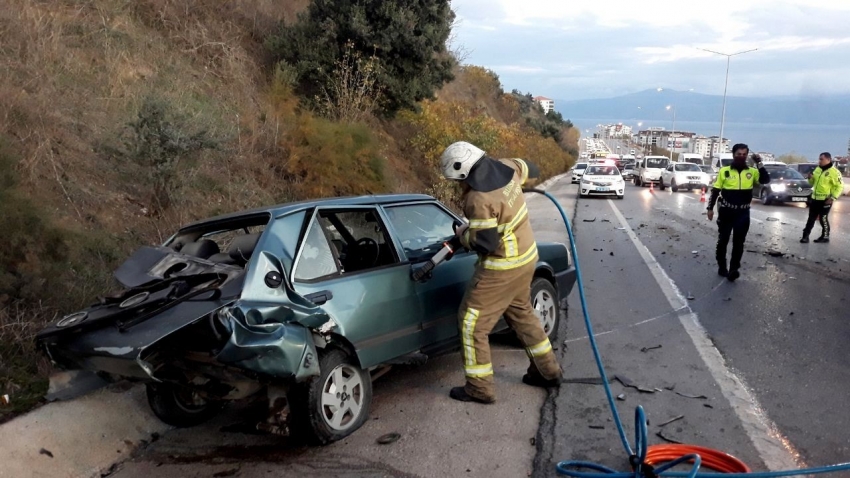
x=320, y=297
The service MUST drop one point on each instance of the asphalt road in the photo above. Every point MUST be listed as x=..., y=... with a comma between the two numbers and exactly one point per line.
x=781, y=330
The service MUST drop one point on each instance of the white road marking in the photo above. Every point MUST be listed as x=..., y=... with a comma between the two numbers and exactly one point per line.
x=774, y=449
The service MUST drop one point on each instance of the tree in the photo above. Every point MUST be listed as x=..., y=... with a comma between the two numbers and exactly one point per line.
x=407, y=40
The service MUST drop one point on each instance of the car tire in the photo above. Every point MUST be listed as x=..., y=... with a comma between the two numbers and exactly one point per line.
x=661, y=183
x=546, y=305
x=621, y=196
x=674, y=187
x=171, y=404
x=765, y=198
x=341, y=385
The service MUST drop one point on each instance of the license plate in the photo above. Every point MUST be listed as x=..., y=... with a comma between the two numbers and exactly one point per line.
x=602, y=190
x=695, y=182
x=798, y=199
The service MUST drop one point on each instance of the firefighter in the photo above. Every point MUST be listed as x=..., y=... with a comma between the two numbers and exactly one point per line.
x=499, y=231
x=827, y=187
x=733, y=191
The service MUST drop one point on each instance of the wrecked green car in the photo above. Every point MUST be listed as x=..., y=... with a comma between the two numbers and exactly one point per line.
x=306, y=302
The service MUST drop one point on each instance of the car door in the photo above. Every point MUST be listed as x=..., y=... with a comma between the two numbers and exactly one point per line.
x=421, y=229
x=348, y=264
x=668, y=174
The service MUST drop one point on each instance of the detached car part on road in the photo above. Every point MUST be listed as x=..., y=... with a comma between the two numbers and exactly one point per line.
x=304, y=301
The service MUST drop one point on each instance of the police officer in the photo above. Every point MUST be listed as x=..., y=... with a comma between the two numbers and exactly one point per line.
x=733, y=191
x=500, y=232
x=827, y=187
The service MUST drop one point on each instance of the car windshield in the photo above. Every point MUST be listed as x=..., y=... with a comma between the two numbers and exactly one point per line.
x=706, y=169
x=601, y=171
x=581, y=166
x=787, y=173
x=629, y=166
x=657, y=163
x=726, y=162
x=687, y=167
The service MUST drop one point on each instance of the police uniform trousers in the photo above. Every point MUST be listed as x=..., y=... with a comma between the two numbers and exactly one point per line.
x=735, y=223
x=490, y=294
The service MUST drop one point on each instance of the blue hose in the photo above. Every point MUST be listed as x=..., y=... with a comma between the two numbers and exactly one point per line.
x=637, y=457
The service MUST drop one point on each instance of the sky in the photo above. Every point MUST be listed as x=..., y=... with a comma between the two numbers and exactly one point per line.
x=583, y=49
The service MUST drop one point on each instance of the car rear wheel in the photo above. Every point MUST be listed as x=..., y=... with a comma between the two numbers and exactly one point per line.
x=661, y=183
x=544, y=301
x=674, y=186
x=333, y=405
x=178, y=406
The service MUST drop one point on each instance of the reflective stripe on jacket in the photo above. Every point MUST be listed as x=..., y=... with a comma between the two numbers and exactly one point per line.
x=826, y=183
x=499, y=228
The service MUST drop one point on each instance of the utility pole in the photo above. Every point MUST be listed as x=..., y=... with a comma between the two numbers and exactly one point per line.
x=725, y=86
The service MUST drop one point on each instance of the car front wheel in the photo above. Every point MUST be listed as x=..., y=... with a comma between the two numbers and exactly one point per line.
x=544, y=301
x=178, y=406
x=333, y=405
x=765, y=197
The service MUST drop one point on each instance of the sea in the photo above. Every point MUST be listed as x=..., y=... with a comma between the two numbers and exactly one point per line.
x=808, y=140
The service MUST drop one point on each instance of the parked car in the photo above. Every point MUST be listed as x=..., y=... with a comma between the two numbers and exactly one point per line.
x=710, y=173
x=804, y=168
x=648, y=170
x=577, y=172
x=628, y=170
x=308, y=300
x=786, y=185
x=683, y=176
x=602, y=180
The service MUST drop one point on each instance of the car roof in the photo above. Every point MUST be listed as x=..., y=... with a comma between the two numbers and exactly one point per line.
x=281, y=209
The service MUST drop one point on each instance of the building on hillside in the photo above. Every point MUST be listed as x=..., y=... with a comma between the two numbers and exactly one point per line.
x=547, y=104
x=619, y=131
x=708, y=146
x=675, y=141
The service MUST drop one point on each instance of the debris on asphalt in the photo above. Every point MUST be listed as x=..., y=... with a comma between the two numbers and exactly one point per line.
x=707, y=405
x=621, y=228
x=691, y=296
x=45, y=452
x=645, y=390
x=671, y=420
x=621, y=397
x=728, y=299
x=792, y=313
x=625, y=381
x=388, y=438
x=776, y=253
x=671, y=387
x=662, y=228
x=642, y=225
x=664, y=252
x=590, y=220
x=699, y=397
x=668, y=440
x=533, y=441
x=606, y=220
x=647, y=349
x=694, y=252
x=230, y=472
x=597, y=427
x=585, y=381
x=772, y=219
x=753, y=251
x=611, y=253
x=597, y=250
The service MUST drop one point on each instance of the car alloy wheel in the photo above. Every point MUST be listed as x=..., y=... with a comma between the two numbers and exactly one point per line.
x=342, y=397
x=544, y=301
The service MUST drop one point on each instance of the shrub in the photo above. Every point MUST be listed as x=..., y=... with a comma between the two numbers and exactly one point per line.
x=408, y=40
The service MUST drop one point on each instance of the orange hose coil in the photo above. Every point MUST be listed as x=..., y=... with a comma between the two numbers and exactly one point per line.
x=713, y=459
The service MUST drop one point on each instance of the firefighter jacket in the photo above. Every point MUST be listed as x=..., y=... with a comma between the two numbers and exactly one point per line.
x=734, y=187
x=499, y=228
x=826, y=183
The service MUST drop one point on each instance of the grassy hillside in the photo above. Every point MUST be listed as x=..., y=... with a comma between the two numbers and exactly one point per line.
x=121, y=120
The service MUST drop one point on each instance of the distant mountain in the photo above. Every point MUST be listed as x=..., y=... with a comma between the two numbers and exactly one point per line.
x=650, y=105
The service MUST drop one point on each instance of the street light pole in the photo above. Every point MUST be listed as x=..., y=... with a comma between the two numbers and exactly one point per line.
x=725, y=86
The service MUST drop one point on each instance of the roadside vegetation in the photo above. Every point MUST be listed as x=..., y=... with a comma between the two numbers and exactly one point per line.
x=122, y=120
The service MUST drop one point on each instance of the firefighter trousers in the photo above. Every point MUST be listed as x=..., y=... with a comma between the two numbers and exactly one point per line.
x=490, y=294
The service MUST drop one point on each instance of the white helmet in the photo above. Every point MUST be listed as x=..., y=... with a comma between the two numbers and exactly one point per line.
x=458, y=159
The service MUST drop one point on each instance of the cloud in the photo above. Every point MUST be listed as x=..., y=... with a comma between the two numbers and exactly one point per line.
x=577, y=49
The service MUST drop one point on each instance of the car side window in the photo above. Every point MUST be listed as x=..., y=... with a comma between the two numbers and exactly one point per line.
x=316, y=260
x=421, y=228
x=359, y=238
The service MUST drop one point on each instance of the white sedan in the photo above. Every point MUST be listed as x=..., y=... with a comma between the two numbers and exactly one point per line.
x=602, y=180
x=684, y=176
x=577, y=172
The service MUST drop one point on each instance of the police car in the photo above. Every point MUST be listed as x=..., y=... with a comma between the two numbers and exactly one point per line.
x=602, y=179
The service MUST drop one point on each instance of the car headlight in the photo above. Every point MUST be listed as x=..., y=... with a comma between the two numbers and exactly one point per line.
x=777, y=188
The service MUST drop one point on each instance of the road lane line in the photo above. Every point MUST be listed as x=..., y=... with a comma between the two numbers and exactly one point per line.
x=774, y=449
